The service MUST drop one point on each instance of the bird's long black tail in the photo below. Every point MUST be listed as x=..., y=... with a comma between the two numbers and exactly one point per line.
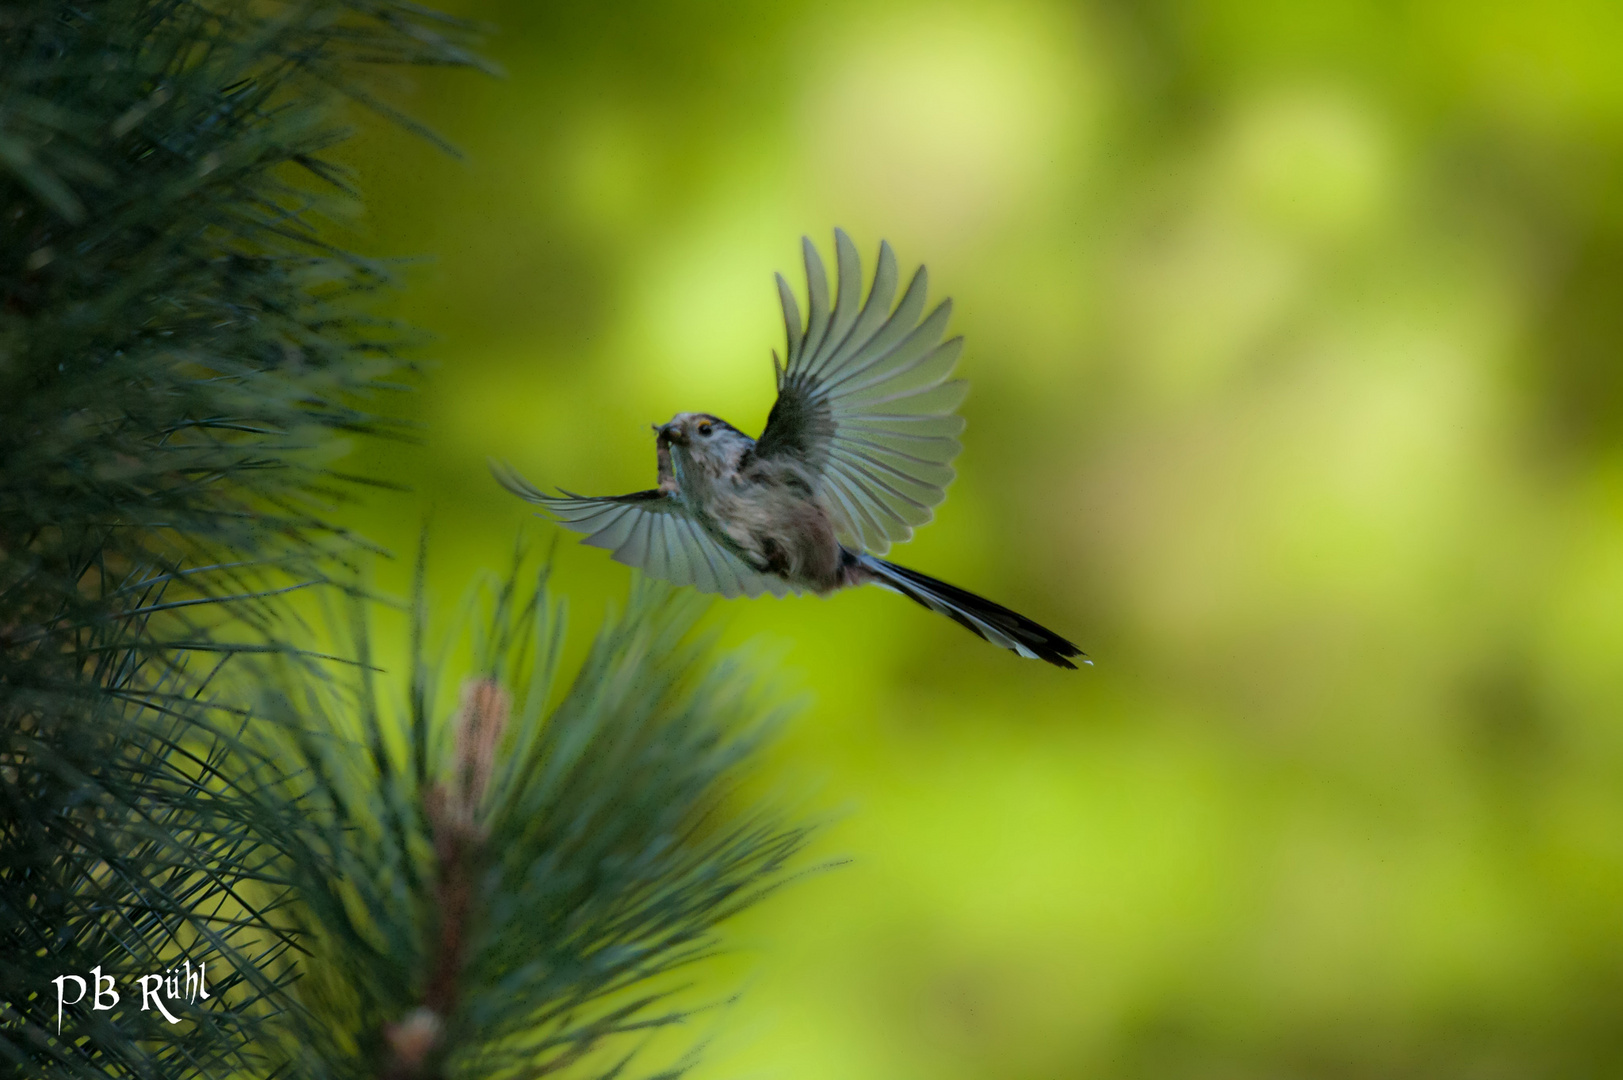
x=978, y=615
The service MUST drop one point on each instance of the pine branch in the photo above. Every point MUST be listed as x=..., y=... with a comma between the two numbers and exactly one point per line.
x=179, y=348
x=522, y=906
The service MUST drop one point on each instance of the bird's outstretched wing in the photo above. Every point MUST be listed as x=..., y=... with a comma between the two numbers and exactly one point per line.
x=654, y=532
x=864, y=399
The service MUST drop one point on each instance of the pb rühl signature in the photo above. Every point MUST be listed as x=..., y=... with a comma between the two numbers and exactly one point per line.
x=182, y=983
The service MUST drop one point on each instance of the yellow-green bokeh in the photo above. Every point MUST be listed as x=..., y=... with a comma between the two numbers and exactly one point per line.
x=1295, y=335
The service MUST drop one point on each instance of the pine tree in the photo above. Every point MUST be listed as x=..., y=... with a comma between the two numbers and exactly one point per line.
x=180, y=353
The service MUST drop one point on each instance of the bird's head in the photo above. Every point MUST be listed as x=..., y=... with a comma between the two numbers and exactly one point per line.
x=705, y=441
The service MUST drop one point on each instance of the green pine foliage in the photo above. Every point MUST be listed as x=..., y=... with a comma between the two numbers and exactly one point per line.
x=175, y=337
x=178, y=348
x=520, y=880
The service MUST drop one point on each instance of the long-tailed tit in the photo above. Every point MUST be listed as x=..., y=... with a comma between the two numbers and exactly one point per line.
x=856, y=453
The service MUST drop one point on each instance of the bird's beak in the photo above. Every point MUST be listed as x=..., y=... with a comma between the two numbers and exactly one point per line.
x=671, y=433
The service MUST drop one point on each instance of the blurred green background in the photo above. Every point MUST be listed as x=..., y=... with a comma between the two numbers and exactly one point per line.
x=1294, y=338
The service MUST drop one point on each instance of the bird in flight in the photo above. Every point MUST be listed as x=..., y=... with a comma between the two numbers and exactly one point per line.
x=855, y=454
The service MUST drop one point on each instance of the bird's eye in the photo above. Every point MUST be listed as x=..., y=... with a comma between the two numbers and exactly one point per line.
x=705, y=429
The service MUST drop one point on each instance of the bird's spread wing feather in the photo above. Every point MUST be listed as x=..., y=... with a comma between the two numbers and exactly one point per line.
x=864, y=399
x=653, y=531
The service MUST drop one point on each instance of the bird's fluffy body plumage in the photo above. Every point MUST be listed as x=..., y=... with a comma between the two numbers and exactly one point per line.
x=856, y=453
x=764, y=507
